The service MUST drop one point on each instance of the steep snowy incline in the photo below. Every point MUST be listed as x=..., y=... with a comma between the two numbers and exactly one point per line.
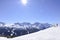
x=52, y=33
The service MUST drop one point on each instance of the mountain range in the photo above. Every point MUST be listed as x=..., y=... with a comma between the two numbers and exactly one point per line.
x=19, y=29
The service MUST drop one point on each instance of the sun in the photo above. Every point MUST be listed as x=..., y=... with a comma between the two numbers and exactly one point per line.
x=24, y=2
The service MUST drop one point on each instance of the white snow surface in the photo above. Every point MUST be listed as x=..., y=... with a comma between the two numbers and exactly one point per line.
x=52, y=33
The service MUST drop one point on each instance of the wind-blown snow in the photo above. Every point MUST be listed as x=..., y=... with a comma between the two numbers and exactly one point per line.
x=52, y=33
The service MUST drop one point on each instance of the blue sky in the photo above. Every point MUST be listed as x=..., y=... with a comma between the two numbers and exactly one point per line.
x=43, y=11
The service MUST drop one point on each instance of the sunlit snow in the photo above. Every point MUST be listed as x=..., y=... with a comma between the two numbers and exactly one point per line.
x=52, y=33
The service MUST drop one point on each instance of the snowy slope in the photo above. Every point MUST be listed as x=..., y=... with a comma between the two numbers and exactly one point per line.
x=52, y=33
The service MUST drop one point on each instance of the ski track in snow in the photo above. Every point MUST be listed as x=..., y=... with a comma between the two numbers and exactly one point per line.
x=52, y=33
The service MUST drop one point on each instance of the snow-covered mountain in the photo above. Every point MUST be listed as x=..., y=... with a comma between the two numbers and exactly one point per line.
x=19, y=29
x=52, y=33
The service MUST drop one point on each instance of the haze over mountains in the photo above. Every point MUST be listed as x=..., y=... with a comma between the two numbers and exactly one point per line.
x=19, y=29
x=24, y=25
x=52, y=33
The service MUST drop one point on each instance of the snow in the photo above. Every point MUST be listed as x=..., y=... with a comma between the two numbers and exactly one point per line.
x=52, y=33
